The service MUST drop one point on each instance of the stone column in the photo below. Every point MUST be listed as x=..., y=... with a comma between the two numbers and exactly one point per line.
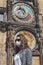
x=2, y=48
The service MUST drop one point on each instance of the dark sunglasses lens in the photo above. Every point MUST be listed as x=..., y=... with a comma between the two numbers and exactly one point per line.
x=17, y=40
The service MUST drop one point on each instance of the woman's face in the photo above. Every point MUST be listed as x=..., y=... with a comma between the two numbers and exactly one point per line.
x=18, y=41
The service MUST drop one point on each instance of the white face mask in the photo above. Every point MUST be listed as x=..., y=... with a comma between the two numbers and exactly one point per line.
x=18, y=43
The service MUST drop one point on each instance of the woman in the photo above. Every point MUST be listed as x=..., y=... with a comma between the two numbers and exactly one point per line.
x=23, y=54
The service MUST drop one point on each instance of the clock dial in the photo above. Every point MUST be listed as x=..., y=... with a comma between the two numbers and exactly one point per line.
x=31, y=40
x=23, y=12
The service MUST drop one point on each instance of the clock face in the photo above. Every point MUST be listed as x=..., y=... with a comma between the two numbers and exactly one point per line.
x=31, y=40
x=23, y=12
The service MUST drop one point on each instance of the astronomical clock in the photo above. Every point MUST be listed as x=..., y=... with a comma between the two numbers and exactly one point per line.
x=22, y=18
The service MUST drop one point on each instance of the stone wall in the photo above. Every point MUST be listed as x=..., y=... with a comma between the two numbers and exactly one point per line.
x=41, y=15
x=2, y=48
x=3, y=3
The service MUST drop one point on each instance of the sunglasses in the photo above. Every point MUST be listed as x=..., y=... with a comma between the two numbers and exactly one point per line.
x=17, y=40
